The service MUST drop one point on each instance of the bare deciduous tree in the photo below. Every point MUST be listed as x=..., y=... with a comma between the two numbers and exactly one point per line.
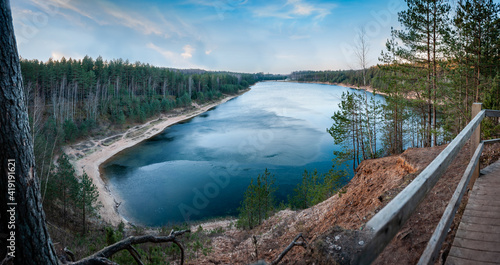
x=362, y=47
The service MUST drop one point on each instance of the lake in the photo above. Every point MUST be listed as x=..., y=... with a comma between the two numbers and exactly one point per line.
x=200, y=168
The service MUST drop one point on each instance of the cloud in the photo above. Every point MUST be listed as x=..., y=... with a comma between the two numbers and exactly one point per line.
x=176, y=60
x=207, y=52
x=165, y=53
x=132, y=20
x=221, y=6
x=293, y=9
x=188, y=52
x=300, y=8
x=56, y=55
x=103, y=13
x=53, y=7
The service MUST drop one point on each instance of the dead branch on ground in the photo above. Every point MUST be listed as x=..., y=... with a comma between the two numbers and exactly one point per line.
x=101, y=257
x=294, y=243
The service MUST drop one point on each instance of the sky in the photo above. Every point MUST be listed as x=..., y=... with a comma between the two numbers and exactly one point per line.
x=248, y=36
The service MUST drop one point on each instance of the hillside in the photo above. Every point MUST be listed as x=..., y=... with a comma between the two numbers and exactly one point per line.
x=376, y=182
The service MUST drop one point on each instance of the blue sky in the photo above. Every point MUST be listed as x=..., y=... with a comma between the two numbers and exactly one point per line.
x=235, y=35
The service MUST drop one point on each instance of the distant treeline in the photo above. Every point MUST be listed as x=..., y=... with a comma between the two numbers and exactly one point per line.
x=348, y=77
x=81, y=92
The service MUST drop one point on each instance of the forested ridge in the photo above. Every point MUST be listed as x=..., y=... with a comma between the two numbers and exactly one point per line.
x=81, y=92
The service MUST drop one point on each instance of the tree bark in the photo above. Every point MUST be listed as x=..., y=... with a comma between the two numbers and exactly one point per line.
x=32, y=243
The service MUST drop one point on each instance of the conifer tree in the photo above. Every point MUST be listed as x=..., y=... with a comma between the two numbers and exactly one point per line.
x=258, y=200
x=67, y=184
x=344, y=129
x=425, y=25
x=87, y=199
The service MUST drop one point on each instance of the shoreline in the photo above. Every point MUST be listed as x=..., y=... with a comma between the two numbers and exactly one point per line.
x=366, y=88
x=410, y=96
x=89, y=155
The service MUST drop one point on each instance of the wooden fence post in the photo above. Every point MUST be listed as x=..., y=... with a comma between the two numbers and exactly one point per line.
x=475, y=140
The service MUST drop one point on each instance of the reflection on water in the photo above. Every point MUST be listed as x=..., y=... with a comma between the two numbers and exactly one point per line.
x=200, y=168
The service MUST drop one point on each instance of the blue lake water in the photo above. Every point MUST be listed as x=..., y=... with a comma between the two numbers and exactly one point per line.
x=200, y=168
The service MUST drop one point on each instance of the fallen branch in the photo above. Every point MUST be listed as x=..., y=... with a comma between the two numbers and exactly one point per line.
x=135, y=255
x=294, y=243
x=101, y=257
x=69, y=253
x=6, y=260
x=95, y=261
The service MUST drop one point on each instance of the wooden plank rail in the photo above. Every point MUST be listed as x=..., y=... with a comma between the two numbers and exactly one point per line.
x=386, y=224
x=492, y=113
x=492, y=141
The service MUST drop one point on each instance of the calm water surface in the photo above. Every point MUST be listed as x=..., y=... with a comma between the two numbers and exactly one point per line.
x=200, y=168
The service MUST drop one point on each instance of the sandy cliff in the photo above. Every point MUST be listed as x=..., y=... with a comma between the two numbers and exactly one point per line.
x=376, y=182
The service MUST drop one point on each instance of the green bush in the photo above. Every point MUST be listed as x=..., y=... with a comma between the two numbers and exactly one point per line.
x=70, y=130
x=316, y=188
x=258, y=202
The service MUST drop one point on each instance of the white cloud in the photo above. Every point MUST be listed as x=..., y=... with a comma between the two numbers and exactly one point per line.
x=300, y=8
x=103, y=13
x=295, y=9
x=57, y=7
x=132, y=20
x=207, y=52
x=165, y=53
x=188, y=52
x=56, y=55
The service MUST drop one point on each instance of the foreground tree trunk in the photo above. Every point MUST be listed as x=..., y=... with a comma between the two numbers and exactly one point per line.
x=21, y=213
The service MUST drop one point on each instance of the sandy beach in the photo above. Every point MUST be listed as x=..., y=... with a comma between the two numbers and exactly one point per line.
x=90, y=154
x=367, y=88
x=411, y=95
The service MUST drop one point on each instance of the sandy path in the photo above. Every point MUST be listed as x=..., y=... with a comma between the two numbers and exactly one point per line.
x=90, y=154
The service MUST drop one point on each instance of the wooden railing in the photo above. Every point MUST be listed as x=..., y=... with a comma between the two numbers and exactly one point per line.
x=386, y=223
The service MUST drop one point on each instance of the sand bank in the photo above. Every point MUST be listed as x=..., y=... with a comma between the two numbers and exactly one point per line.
x=366, y=88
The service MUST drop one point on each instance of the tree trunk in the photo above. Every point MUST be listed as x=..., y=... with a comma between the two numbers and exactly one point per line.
x=429, y=85
x=83, y=207
x=434, y=76
x=478, y=64
x=32, y=243
x=353, y=143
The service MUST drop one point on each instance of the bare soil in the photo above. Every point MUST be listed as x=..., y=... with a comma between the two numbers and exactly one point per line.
x=376, y=182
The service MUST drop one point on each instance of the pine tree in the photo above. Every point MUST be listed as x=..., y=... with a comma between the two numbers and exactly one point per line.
x=477, y=27
x=258, y=201
x=87, y=199
x=66, y=182
x=425, y=25
x=344, y=131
